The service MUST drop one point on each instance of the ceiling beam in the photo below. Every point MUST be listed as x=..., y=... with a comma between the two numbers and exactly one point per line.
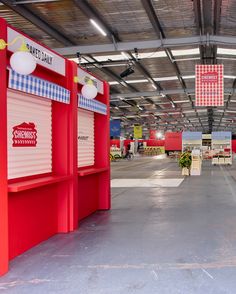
x=92, y=13
x=198, y=19
x=145, y=72
x=164, y=92
x=129, y=46
x=148, y=6
x=151, y=44
x=39, y=21
x=209, y=58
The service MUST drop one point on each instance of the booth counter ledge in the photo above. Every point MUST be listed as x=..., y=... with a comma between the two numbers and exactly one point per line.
x=35, y=183
x=91, y=170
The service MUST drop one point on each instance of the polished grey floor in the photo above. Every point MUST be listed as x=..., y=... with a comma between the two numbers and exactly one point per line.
x=154, y=240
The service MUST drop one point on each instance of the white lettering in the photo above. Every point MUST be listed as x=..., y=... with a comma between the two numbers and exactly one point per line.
x=24, y=134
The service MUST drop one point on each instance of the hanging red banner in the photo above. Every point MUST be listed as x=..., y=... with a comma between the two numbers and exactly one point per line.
x=24, y=135
x=209, y=85
x=152, y=134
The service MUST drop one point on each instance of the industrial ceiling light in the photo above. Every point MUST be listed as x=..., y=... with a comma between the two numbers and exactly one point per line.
x=22, y=61
x=159, y=135
x=139, y=107
x=126, y=56
x=98, y=27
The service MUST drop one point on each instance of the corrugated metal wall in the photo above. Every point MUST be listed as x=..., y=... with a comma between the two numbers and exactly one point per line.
x=85, y=138
x=27, y=161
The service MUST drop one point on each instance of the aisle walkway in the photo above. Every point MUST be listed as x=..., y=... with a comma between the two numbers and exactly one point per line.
x=156, y=240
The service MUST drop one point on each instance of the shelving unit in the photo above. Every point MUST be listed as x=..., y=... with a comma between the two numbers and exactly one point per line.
x=221, y=148
x=191, y=141
x=196, y=165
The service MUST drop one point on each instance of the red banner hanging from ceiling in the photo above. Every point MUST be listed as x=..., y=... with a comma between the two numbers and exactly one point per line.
x=209, y=85
x=152, y=134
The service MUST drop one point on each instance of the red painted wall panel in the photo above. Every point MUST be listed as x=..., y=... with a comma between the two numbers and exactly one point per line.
x=3, y=157
x=155, y=142
x=32, y=218
x=173, y=141
x=88, y=195
x=115, y=142
x=150, y=142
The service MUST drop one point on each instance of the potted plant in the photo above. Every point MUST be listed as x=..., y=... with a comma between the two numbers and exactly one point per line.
x=185, y=161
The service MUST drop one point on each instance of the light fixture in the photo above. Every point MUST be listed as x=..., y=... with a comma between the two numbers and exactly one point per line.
x=98, y=27
x=125, y=54
x=154, y=86
x=128, y=71
x=139, y=107
x=88, y=90
x=159, y=135
x=22, y=61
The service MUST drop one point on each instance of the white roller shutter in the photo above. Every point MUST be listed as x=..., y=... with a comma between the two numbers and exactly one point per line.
x=27, y=161
x=85, y=138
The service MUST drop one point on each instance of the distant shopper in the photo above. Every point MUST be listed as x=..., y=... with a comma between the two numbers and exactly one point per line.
x=127, y=155
x=140, y=148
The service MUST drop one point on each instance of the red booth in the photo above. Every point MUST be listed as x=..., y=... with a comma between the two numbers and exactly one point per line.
x=42, y=190
x=173, y=141
x=93, y=148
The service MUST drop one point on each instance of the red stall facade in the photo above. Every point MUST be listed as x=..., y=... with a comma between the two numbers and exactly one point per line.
x=173, y=141
x=41, y=191
x=93, y=148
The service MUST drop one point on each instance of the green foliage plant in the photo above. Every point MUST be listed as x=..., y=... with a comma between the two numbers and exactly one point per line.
x=185, y=160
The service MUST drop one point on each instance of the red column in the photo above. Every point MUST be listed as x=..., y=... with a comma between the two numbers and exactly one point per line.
x=73, y=134
x=102, y=151
x=3, y=156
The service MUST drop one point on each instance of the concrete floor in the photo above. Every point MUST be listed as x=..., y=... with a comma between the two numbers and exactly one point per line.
x=155, y=240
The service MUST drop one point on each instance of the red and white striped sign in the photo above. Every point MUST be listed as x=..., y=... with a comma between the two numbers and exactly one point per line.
x=209, y=85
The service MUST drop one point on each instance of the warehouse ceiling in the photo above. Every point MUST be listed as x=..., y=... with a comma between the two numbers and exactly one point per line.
x=156, y=42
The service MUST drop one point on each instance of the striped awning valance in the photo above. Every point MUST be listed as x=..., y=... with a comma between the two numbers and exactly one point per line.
x=36, y=86
x=92, y=105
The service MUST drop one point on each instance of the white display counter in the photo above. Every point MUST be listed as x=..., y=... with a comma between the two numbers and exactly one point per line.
x=196, y=165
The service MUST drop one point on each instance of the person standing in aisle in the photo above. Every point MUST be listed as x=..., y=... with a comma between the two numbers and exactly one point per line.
x=127, y=151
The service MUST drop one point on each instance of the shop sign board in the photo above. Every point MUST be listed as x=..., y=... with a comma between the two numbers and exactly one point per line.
x=44, y=56
x=84, y=77
x=221, y=136
x=24, y=135
x=138, y=132
x=115, y=128
x=206, y=136
x=152, y=134
x=186, y=136
x=209, y=85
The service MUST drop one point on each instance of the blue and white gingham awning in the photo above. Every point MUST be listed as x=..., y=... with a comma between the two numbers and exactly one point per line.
x=92, y=105
x=33, y=85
